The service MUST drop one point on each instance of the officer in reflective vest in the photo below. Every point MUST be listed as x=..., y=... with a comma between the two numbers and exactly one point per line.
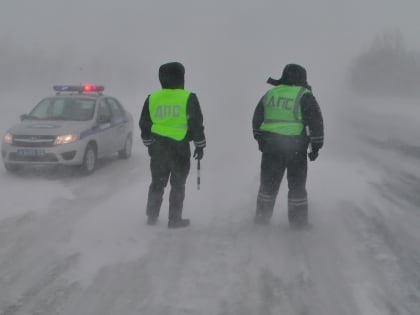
x=171, y=117
x=280, y=121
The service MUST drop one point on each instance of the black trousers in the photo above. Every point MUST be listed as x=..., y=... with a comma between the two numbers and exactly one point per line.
x=273, y=167
x=168, y=163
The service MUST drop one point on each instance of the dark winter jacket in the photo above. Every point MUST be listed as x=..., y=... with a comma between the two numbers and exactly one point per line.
x=171, y=76
x=311, y=116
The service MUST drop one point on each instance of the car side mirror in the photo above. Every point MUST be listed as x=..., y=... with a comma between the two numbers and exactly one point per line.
x=104, y=119
x=23, y=117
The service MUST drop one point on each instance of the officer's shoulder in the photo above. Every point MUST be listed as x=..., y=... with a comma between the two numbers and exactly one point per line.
x=192, y=95
x=309, y=98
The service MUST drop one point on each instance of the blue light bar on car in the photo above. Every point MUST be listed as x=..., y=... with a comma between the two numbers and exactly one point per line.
x=78, y=88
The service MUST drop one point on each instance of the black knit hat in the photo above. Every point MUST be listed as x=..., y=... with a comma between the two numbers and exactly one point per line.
x=171, y=75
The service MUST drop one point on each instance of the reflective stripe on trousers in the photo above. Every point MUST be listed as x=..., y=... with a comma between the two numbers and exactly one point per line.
x=295, y=202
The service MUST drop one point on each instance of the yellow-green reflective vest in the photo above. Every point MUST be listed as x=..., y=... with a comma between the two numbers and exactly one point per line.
x=168, y=112
x=282, y=110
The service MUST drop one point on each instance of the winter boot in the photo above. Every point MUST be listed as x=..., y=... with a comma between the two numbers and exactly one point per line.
x=151, y=220
x=298, y=210
x=178, y=223
x=265, y=207
x=262, y=219
x=298, y=219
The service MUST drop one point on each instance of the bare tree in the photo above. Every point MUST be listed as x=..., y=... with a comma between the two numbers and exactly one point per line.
x=386, y=68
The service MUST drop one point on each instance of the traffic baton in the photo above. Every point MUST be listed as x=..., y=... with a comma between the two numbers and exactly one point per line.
x=198, y=174
x=308, y=133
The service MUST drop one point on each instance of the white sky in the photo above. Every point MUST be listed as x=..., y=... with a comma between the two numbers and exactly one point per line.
x=247, y=34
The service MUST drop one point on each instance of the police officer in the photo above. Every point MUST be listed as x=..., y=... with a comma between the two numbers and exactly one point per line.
x=170, y=119
x=280, y=121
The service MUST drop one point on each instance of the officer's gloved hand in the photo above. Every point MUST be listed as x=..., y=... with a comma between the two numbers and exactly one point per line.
x=148, y=143
x=313, y=155
x=261, y=142
x=198, y=153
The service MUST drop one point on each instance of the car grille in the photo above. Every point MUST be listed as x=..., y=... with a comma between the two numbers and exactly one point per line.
x=33, y=141
x=49, y=157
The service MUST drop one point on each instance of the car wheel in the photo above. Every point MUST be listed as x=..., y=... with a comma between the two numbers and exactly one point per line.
x=125, y=153
x=13, y=168
x=89, y=160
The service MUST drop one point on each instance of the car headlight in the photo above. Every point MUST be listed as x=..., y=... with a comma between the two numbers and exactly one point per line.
x=8, y=138
x=64, y=139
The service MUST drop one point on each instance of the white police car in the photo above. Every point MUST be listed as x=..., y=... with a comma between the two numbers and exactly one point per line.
x=76, y=126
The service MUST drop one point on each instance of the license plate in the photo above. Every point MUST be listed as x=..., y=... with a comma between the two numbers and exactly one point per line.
x=30, y=152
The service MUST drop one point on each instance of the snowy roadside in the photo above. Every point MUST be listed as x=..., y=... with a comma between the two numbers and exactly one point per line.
x=106, y=260
x=85, y=248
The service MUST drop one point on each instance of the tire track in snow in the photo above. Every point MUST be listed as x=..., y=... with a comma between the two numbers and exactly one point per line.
x=392, y=259
x=33, y=271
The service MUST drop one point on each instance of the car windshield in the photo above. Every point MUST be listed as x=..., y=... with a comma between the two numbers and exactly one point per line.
x=63, y=108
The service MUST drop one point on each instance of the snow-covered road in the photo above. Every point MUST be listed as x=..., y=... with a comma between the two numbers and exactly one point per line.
x=79, y=245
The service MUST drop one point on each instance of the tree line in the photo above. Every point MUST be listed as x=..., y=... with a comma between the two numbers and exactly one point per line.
x=387, y=68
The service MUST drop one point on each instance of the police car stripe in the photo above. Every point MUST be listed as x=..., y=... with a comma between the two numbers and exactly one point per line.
x=96, y=129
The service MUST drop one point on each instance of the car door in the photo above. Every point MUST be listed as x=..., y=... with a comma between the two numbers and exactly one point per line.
x=118, y=122
x=104, y=130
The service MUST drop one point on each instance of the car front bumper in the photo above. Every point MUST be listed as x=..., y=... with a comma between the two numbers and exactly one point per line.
x=64, y=154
